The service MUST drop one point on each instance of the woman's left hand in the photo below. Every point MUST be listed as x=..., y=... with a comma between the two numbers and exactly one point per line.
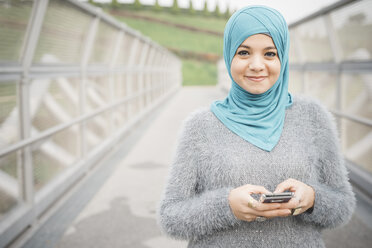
x=304, y=195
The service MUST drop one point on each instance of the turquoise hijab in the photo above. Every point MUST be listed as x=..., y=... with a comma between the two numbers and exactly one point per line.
x=257, y=118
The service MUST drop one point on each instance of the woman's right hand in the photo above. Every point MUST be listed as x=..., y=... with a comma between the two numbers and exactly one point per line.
x=246, y=208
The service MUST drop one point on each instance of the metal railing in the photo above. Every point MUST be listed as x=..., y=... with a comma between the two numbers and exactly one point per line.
x=73, y=81
x=331, y=60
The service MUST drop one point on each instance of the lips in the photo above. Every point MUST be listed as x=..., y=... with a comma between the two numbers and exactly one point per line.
x=256, y=78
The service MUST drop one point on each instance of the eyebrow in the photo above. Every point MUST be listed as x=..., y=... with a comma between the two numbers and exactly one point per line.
x=266, y=48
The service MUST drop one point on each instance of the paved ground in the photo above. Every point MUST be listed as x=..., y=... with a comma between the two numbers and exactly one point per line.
x=123, y=211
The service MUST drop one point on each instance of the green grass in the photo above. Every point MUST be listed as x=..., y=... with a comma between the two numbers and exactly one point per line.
x=177, y=38
x=194, y=72
x=198, y=73
x=208, y=23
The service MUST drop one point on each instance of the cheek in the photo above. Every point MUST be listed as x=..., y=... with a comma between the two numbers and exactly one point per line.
x=236, y=69
x=275, y=70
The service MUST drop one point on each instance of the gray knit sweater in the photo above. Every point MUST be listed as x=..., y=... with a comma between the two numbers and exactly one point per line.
x=211, y=160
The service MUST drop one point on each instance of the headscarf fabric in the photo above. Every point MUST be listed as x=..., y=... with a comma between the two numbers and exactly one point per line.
x=257, y=118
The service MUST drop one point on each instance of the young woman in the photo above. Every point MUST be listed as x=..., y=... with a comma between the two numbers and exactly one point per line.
x=259, y=140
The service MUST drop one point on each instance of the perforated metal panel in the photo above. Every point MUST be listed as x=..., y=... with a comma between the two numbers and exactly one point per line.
x=314, y=42
x=104, y=44
x=138, y=53
x=14, y=17
x=353, y=25
x=9, y=115
x=322, y=86
x=295, y=85
x=357, y=94
x=120, y=87
x=125, y=50
x=293, y=54
x=50, y=157
x=54, y=101
x=97, y=129
x=63, y=34
x=97, y=92
x=356, y=143
x=9, y=186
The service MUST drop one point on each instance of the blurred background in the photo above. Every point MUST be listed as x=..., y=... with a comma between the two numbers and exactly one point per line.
x=81, y=81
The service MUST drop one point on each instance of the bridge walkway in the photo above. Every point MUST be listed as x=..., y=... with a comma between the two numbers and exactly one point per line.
x=117, y=205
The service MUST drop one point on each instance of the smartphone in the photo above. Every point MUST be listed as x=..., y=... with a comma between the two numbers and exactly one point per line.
x=277, y=198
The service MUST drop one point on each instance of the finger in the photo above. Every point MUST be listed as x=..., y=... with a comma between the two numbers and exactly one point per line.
x=250, y=217
x=257, y=189
x=251, y=202
x=289, y=184
x=293, y=203
x=267, y=206
x=297, y=211
x=255, y=205
x=273, y=213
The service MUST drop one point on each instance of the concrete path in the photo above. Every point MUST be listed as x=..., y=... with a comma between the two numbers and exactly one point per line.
x=123, y=211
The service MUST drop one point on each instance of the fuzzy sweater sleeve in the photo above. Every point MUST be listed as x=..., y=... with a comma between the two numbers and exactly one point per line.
x=184, y=212
x=334, y=199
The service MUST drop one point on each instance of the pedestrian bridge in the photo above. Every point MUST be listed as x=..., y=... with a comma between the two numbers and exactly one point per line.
x=90, y=111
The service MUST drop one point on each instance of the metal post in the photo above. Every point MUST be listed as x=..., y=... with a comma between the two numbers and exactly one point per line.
x=164, y=77
x=146, y=73
x=301, y=58
x=129, y=78
x=337, y=55
x=28, y=51
x=334, y=40
x=141, y=75
x=150, y=75
x=89, y=42
x=113, y=62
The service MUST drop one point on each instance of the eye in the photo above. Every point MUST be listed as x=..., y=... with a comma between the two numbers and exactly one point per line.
x=270, y=54
x=243, y=53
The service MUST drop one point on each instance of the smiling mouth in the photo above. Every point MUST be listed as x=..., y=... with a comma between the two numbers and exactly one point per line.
x=256, y=79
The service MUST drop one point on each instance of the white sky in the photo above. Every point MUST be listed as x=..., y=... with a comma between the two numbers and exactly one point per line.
x=292, y=10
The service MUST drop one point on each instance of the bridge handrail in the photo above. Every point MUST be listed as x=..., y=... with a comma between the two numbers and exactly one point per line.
x=76, y=85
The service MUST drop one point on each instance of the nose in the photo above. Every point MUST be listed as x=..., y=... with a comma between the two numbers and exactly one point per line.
x=256, y=63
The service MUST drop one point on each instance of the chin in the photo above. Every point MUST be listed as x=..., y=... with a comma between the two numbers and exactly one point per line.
x=256, y=91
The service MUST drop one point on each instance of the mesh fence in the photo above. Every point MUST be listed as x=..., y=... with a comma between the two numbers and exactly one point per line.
x=60, y=114
x=14, y=17
x=63, y=34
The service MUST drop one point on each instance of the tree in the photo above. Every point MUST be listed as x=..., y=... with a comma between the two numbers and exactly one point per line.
x=227, y=12
x=205, y=10
x=137, y=5
x=115, y=4
x=217, y=12
x=175, y=9
x=191, y=8
x=157, y=7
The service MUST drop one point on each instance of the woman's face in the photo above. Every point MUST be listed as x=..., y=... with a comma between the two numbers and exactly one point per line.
x=256, y=65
